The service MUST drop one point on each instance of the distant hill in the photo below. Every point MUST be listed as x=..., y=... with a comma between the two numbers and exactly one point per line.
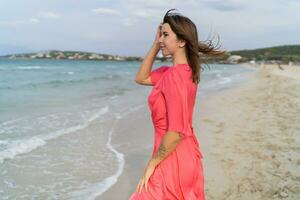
x=284, y=53
x=70, y=55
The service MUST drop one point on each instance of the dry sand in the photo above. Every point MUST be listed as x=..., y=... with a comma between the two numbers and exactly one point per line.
x=251, y=140
x=249, y=137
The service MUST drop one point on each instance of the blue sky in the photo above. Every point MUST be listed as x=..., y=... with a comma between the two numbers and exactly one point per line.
x=127, y=27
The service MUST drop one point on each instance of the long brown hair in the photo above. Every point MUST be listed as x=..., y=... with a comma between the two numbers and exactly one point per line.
x=186, y=30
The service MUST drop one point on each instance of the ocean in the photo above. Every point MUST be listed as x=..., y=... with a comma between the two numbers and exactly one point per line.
x=48, y=146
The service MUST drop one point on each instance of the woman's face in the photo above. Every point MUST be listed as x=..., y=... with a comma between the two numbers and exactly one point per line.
x=168, y=41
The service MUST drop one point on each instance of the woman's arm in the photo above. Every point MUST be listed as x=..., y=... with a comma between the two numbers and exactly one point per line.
x=167, y=146
x=143, y=74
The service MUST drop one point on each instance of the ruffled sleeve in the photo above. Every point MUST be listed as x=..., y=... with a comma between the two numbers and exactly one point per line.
x=157, y=73
x=174, y=90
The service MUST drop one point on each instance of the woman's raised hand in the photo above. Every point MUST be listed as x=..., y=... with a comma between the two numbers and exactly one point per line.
x=158, y=34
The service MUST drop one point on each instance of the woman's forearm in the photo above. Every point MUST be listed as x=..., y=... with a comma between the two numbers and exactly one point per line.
x=167, y=146
x=146, y=66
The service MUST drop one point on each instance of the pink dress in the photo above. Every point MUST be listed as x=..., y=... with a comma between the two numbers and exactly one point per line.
x=180, y=175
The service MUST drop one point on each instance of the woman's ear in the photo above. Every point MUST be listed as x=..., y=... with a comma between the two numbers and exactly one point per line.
x=182, y=43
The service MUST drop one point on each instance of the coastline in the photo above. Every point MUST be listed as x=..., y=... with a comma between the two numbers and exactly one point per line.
x=247, y=135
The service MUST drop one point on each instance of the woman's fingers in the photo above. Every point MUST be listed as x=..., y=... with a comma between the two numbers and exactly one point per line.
x=146, y=185
x=141, y=186
x=138, y=186
x=159, y=27
x=158, y=33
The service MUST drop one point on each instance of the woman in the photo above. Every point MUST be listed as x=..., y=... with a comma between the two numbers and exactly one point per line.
x=175, y=169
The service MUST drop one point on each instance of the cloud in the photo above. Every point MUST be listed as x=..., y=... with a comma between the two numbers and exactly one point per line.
x=142, y=15
x=160, y=4
x=225, y=5
x=145, y=11
x=106, y=11
x=148, y=13
x=49, y=15
x=129, y=21
x=20, y=22
x=34, y=20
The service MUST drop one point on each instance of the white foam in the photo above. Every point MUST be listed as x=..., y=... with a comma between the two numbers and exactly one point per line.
x=70, y=73
x=20, y=147
x=225, y=80
x=93, y=190
x=10, y=183
x=10, y=121
x=216, y=83
x=3, y=142
x=17, y=147
x=212, y=71
x=29, y=67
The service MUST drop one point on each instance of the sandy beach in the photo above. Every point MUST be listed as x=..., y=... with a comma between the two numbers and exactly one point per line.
x=249, y=137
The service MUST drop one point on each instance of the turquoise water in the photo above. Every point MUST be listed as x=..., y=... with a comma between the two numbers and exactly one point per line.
x=46, y=107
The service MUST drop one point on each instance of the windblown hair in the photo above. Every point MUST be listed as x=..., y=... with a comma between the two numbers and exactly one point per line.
x=196, y=50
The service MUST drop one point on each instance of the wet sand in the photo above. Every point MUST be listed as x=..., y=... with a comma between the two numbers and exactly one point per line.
x=249, y=137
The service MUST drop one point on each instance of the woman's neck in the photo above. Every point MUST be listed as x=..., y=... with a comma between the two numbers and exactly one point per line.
x=179, y=58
